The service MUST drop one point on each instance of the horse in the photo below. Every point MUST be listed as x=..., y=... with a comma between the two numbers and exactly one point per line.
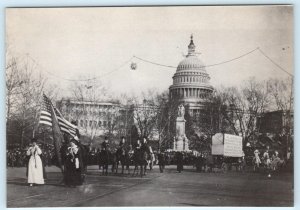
x=277, y=163
x=104, y=160
x=140, y=159
x=122, y=156
x=136, y=160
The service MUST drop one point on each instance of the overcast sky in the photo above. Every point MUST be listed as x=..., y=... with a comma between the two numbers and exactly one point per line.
x=75, y=43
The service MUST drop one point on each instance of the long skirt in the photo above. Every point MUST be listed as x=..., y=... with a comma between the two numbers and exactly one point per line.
x=72, y=175
x=35, y=170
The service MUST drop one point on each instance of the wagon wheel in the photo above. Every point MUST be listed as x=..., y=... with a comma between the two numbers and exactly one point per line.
x=224, y=167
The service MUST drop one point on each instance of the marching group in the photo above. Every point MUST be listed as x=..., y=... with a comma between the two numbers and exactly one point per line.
x=141, y=156
x=74, y=159
x=270, y=161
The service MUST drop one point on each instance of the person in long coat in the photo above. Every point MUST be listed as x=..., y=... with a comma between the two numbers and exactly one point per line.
x=35, y=165
x=199, y=163
x=179, y=159
x=161, y=161
x=105, y=144
x=73, y=165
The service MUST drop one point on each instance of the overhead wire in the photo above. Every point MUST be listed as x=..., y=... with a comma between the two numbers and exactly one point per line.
x=230, y=60
x=226, y=61
x=169, y=66
x=223, y=62
x=272, y=61
x=158, y=64
x=93, y=78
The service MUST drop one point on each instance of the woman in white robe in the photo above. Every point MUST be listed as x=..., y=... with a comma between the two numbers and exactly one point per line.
x=35, y=165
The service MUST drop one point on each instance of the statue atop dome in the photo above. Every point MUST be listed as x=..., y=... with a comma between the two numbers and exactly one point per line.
x=191, y=47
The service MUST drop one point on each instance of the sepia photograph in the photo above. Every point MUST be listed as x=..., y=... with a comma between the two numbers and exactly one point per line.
x=156, y=106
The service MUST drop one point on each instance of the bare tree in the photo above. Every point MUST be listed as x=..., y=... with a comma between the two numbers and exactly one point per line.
x=24, y=89
x=167, y=109
x=244, y=106
x=13, y=83
x=89, y=94
x=281, y=91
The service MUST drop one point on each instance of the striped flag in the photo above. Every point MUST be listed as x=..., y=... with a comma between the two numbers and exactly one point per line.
x=52, y=117
x=45, y=117
x=65, y=125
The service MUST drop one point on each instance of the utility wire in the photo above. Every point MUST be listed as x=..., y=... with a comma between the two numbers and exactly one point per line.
x=147, y=61
x=227, y=61
x=93, y=78
x=169, y=66
x=216, y=64
x=236, y=58
x=272, y=61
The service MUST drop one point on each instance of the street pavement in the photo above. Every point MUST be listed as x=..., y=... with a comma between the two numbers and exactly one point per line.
x=170, y=188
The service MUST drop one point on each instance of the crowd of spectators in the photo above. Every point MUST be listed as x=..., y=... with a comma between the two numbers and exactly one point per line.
x=16, y=156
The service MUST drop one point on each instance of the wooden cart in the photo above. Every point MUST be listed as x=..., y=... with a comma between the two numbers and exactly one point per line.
x=227, y=151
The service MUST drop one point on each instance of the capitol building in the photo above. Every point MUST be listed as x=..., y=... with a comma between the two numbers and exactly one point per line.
x=191, y=85
x=191, y=88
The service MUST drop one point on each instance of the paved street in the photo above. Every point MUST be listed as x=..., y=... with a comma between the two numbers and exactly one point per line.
x=156, y=189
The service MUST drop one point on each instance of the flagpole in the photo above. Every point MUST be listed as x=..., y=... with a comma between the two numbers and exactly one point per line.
x=37, y=116
x=57, y=137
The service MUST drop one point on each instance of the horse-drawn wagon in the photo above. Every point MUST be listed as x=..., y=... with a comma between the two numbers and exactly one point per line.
x=227, y=152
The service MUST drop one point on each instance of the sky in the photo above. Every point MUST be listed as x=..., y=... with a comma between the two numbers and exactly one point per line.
x=77, y=43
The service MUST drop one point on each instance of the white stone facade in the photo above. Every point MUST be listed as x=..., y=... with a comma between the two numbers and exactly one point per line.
x=191, y=81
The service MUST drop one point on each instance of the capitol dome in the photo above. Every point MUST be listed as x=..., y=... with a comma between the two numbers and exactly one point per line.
x=191, y=81
x=191, y=63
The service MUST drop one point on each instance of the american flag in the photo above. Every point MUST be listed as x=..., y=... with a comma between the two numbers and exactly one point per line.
x=46, y=118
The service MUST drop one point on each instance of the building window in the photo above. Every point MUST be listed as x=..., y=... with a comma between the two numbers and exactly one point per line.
x=91, y=123
x=104, y=123
x=99, y=123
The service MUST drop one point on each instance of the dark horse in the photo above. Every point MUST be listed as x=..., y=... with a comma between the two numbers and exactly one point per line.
x=140, y=159
x=105, y=158
x=122, y=156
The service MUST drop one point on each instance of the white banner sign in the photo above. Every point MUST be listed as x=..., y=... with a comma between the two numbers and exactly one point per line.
x=217, y=149
x=233, y=145
x=217, y=139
